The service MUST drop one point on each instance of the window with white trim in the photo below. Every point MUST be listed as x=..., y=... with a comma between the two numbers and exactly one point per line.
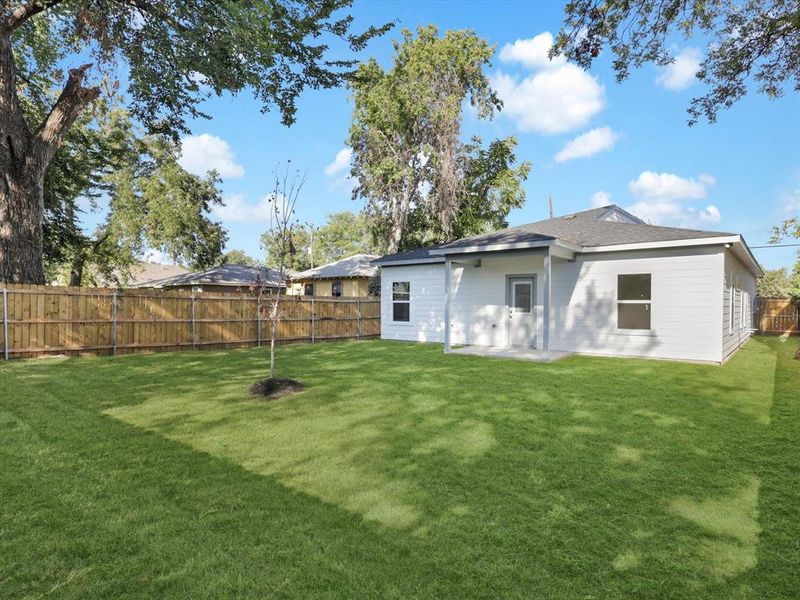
x=731, y=292
x=737, y=303
x=634, y=301
x=401, y=301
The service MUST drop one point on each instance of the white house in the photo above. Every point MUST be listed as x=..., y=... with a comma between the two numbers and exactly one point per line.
x=601, y=281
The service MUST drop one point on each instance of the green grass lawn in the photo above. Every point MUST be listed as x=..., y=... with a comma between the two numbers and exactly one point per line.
x=401, y=472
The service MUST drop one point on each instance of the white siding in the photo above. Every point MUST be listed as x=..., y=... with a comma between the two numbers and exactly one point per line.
x=686, y=306
x=739, y=285
x=426, y=322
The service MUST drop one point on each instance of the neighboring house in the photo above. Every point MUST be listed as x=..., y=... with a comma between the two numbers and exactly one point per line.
x=600, y=281
x=227, y=278
x=345, y=277
x=142, y=272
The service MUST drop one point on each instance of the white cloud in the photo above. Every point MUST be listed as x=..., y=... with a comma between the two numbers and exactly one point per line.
x=205, y=152
x=532, y=53
x=340, y=163
x=791, y=201
x=238, y=210
x=681, y=73
x=672, y=212
x=600, y=199
x=557, y=97
x=588, y=144
x=552, y=101
x=668, y=186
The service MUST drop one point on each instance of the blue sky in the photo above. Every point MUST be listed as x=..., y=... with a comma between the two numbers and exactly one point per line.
x=590, y=140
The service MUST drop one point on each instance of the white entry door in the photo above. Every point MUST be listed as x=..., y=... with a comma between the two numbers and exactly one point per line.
x=521, y=313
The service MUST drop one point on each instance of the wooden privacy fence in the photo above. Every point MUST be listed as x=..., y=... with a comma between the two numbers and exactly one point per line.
x=778, y=316
x=39, y=320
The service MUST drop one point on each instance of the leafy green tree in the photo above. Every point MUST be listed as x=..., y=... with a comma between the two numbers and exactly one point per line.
x=238, y=257
x=789, y=229
x=297, y=254
x=176, y=54
x=406, y=127
x=345, y=233
x=153, y=203
x=492, y=188
x=778, y=283
x=752, y=40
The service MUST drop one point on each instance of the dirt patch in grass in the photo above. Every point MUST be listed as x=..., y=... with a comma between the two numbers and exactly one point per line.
x=277, y=387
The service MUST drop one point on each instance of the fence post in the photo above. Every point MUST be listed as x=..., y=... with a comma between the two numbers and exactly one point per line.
x=313, y=319
x=193, y=346
x=5, y=323
x=114, y=316
x=358, y=322
x=258, y=320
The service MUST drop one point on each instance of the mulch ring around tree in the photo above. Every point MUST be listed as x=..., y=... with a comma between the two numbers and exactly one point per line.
x=273, y=388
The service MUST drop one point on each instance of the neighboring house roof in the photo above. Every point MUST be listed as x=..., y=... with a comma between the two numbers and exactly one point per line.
x=358, y=265
x=589, y=230
x=141, y=272
x=229, y=275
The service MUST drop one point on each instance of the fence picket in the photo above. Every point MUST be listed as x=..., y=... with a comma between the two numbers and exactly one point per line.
x=40, y=320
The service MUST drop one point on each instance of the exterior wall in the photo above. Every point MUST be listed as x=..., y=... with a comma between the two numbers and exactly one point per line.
x=351, y=287
x=426, y=320
x=686, y=306
x=739, y=285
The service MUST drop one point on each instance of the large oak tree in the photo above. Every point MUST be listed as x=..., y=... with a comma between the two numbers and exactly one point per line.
x=174, y=54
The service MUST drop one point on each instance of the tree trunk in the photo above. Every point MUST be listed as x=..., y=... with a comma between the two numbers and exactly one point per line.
x=24, y=156
x=21, y=216
x=399, y=220
x=76, y=269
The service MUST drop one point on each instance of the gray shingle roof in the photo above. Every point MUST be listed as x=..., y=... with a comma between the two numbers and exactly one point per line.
x=231, y=275
x=604, y=226
x=418, y=254
x=588, y=228
x=358, y=265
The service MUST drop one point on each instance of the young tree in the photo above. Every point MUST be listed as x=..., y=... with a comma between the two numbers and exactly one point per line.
x=176, y=54
x=282, y=222
x=752, y=39
x=406, y=126
x=300, y=258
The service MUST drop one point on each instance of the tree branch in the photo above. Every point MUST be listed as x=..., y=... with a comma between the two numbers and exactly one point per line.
x=23, y=13
x=73, y=99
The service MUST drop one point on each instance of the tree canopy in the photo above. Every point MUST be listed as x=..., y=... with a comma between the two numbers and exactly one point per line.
x=344, y=233
x=173, y=55
x=752, y=40
x=405, y=134
x=779, y=283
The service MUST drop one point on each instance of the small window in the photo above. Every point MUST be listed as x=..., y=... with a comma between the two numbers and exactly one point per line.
x=336, y=288
x=633, y=301
x=308, y=289
x=401, y=301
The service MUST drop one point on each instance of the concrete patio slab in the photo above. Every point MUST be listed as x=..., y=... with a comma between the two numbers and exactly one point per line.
x=531, y=354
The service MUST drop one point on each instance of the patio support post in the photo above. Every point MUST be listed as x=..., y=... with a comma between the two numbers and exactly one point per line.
x=546, y=303
x=447, y=305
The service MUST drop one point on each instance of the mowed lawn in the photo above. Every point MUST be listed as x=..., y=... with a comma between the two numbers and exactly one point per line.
x=400, y=472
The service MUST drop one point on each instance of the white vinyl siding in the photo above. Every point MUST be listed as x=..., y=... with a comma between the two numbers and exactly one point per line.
x=686, y=305
x=739, y=289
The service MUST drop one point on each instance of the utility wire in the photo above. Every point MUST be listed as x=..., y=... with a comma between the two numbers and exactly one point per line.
x=776, y=246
